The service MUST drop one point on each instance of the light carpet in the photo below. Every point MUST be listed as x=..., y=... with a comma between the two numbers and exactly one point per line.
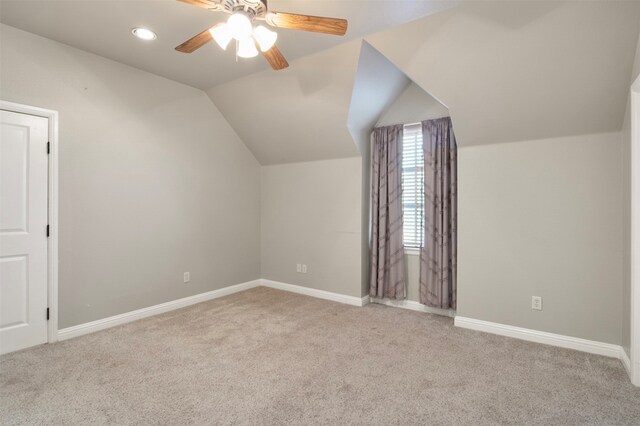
x=269, y=357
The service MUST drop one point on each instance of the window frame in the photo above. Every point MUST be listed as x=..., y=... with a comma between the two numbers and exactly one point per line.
x=413, y=247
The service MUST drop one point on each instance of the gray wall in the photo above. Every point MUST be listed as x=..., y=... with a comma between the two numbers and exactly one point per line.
x=413, y=105
x=365, y=228
x=153, y=181
x=543, y=218
x=377, y=85
x=311, y=214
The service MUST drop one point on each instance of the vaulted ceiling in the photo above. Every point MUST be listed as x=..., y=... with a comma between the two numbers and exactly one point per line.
x=299, y=114
x=104, y=27
x=507, y=71
x=512, y=71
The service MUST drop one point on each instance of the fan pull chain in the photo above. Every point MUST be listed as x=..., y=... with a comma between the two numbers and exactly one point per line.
x=237, y=47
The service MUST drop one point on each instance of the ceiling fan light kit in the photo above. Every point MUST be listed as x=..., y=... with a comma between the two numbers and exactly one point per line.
x=239, y=27
x=265, y=37
x=221, y=35
x=246, y=48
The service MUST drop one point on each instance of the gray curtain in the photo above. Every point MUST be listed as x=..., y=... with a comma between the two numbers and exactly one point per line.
x=439, y=252
x=387, y=251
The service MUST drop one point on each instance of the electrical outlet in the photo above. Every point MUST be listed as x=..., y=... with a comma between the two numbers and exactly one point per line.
x=298, y=268
x=536, y=303
x=187, y=277
x=304, y=268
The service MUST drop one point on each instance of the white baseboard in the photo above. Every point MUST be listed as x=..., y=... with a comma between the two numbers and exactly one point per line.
x=599, y=348
x=576, y=343
x=635, y=373
x=320, y=294
x=625, y=361
x=414, y=306
x=101, y=324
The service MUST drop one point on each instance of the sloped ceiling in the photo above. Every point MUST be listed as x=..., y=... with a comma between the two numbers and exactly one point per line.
x=377, y=85
x=507, y=71
x=104, y=27
x=511, y=71
x=298, y=114
x=412, y=106
x=322, y=107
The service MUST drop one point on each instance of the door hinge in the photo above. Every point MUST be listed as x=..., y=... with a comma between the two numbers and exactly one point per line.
x=47, y=314
x=48, y=147
x=47, y=231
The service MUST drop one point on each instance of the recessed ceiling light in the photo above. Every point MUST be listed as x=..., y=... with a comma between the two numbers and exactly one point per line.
x=144, y=34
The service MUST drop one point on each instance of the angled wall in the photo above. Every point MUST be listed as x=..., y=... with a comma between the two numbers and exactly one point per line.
x=377, y=84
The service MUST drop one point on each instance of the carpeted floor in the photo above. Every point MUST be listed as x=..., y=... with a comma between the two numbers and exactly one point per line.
x=269, y=357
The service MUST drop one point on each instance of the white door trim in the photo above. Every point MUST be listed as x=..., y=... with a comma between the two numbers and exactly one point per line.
x=52, y=243
x=635, y=232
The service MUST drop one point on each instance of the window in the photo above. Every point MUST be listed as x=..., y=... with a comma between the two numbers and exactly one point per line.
x=412, y=185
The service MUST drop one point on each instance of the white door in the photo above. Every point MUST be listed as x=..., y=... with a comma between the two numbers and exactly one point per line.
x=23, y=230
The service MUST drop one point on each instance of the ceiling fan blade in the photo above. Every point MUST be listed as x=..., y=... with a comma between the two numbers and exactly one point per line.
x=315, y=24
x=195, y=43
x=275, y=58
x=205, y=4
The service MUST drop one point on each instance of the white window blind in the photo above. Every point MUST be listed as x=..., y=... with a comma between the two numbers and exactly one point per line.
x=412, y=184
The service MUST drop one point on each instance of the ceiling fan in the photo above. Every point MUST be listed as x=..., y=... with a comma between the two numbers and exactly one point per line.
x=239, y=27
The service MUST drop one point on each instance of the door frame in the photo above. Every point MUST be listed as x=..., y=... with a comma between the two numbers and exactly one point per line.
x=635, y=233
x=52, y=241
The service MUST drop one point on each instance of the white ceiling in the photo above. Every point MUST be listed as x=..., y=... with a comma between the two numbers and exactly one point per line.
x=507, y=71
x=299, y=114
x=514, y=71
x=104, y=27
